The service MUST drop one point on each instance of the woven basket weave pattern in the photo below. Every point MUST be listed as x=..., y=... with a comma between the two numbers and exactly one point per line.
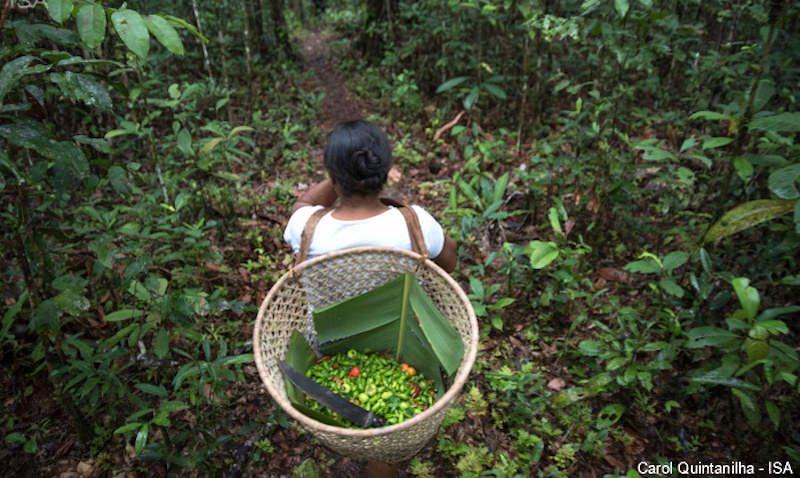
x=335, y=277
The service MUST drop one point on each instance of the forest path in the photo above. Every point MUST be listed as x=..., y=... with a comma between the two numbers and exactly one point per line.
x=338, y=105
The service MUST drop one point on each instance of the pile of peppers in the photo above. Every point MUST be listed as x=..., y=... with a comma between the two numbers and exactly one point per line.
x=378, y=384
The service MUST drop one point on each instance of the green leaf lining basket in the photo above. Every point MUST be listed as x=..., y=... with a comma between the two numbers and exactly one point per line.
x=329, y=279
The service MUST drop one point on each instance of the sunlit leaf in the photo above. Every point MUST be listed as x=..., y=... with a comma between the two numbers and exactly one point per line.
x=542, y=253
x=622, y=7
x=780, y=123
x=610, y=415
x=747, y=215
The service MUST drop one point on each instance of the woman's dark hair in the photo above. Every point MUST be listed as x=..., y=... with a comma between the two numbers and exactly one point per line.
x=358, y=156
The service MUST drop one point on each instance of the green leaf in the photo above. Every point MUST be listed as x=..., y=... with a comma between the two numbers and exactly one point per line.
x=711, y=115
x=59, y=10
x=542, y=253
x=671, y=287
x=119, y=180
x=644, y=266
x=84, y=88
x=780, y=123
x=133, y=31
x=622, y=7
x=123, y=314
x=91, y=21
x=712, y=378
x=172, y=406
x=783, y=182
x=673, y=260
x=141, y=437
x=712, y=143
x=472, y=98
x=709, y=336
x=756, y=349
x=765, y=91
x=495, y=90
x=374, y=321
x=552, y=216
x=748, y=297
x=774, y=413
x=71, y=301
x=610, y=415
x=157, y=390
x=165, y=33
x=161, y=346
x=11, y=74
x=747, y=215
x=15, y=437
x=46, y=318
x=452, y=83
x=184, y=24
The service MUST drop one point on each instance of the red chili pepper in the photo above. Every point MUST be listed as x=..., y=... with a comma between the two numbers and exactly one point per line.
x=416, y=392
x=326, y=357
x=336, y=365
x=354, y=372
x=336, y=378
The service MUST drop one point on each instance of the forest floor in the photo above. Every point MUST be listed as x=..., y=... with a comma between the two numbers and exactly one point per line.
x=296, y=453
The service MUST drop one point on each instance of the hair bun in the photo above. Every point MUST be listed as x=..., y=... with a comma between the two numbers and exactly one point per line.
x=366, y=164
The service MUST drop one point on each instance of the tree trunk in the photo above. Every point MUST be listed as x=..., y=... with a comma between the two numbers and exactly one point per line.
x=280, y=29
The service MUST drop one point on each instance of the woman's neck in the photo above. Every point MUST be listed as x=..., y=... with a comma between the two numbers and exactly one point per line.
x=355, y=207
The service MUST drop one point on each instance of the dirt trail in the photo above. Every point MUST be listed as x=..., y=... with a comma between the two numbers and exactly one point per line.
x=338, y=105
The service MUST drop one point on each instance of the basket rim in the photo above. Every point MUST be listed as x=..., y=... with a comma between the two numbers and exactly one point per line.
x=449, y=396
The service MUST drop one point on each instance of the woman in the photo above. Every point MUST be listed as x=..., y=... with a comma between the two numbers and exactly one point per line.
x=358, y=157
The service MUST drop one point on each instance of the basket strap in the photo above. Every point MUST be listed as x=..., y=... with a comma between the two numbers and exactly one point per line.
x=308, y=232
x=412, y=222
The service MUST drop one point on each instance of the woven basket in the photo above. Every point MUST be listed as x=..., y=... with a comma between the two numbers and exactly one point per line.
x=329, y=279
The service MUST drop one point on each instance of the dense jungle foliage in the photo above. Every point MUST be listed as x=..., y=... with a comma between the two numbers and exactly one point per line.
x=621, y=177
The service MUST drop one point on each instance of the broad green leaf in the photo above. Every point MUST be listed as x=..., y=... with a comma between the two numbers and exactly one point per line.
x=765, y=91
x=300, y=357
x=123, y=314
x=671, y=287
x=780, y=123
x=373, y=321
x=711, y=115
x=552, y=216
x=590, y=348
x=91, y=22
x=141, y=437
x=71, y=301
x=11, y=74
x=756, y=349
x=15, y=437
x=161, y=346
x=774, y=413
x=622, y=7
x=709, y=336
x=712, y=143
x=59, y=10
x=157, y=390
x=164, y=33
x=119, y=180
x=644, y=266
x=133, y=31
x=83, y=88
x=542, y=253
x=184, y=24
x=172, y=406
x=127, y=427
x=34, y=33
x=768, y=315
x=712, y=378
x=46, y=318
x=748, y=297
x=747, y=215
x=495, y=90
x=472, y=98
x=744, y=169
x=673, y=260
x=783, y=182
x=185, y=142
x=452, y=83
